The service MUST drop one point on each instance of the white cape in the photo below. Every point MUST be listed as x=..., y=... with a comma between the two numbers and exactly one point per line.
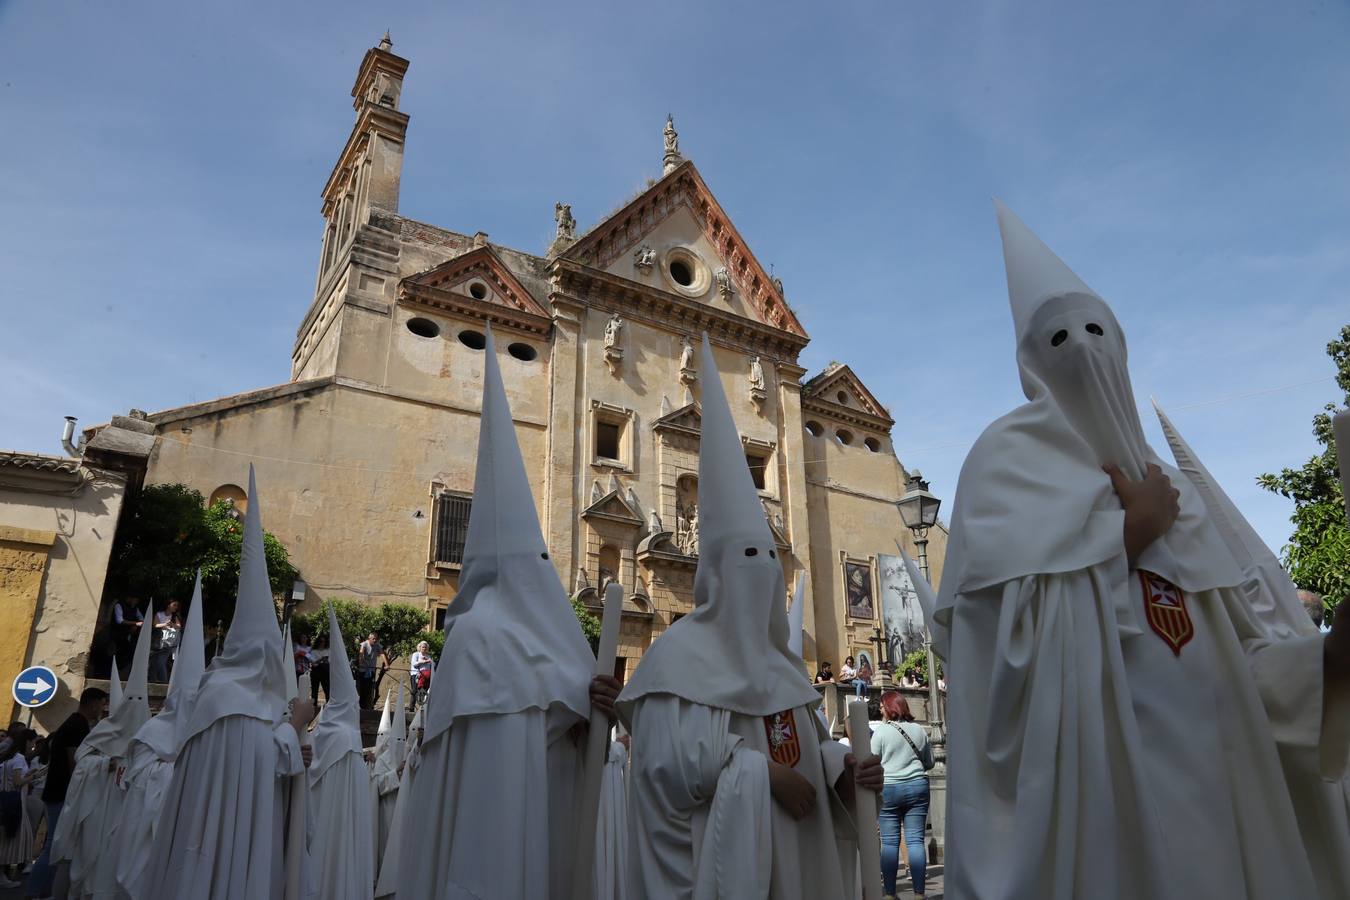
x=498, y=795
x=93, y=806
x=611, y=838
x=222, y=829
x=340, y=850
x=145, y=783
x=703, y=824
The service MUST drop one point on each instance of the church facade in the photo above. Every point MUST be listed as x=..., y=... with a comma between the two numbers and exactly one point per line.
x=366, y=457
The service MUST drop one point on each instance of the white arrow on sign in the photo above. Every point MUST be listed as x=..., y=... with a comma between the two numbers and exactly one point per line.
x=41, y=686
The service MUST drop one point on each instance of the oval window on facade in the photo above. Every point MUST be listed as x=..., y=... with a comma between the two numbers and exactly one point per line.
x=523, y=352
x=474, y=340
x=424, y=328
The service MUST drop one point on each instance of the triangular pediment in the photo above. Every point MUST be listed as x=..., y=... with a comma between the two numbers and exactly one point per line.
x=677, y=221
x=686, y=419
x=838, y=386
x=613, y=506
x=475, y=283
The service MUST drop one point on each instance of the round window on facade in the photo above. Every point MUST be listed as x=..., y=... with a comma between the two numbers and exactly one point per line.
x=685, y=273
x=523, y=352
x=680, y=271
x=815, y=428
x=424, y=328
x=844, y=436
x=478, y=290
x=843, y=398
x=474, y=340
x=872, y=444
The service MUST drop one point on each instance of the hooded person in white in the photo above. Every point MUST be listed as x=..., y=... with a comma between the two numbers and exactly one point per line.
x=405, y=808
x=500, y=757
x=153, y=751
x=221, y=831
x=388, y=770
x=734, y=783
x=93, y=799
x=611, y=839
x=1322, y=806
x=341, y=854
x=1113, y=730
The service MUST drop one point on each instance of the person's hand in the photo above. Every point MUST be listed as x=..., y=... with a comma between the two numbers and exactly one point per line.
x=400, y=768
x=867, y=772
x=794, y=793
x=604, y=691
x=306, y=754
x=1151, y=506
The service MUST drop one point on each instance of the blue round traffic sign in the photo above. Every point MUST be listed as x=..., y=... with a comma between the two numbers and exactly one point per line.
x=34, y=686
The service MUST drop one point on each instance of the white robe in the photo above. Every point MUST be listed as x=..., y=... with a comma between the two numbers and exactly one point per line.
x=501, y=788
x=611, y=838
x=340, y=850
x=703, y=823
x=1087, y=759
x=144, y=783
x=387, y=864
x=93, y=805
x=385, y=791
x=222, y=829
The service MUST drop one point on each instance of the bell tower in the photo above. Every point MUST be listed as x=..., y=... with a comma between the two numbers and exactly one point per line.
x=358, y=259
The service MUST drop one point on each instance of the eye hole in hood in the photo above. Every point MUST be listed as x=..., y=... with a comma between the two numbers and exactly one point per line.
x=1060, y=337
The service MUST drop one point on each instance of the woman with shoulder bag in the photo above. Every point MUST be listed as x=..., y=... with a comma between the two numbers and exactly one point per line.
x=906, y=758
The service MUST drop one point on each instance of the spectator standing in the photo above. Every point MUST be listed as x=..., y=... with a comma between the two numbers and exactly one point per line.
x=421, y=665
x=368, y=659
x=303, y=652
x=16, y=827
x=63, y=744
x=38, y=760
x=825, y=674
x=128, y=618
x=906, y=758
x=318, y=670
x=164, y=643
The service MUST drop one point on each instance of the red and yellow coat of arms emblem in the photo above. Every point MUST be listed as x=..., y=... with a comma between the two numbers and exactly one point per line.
x=781, y=730
x=1165, y=608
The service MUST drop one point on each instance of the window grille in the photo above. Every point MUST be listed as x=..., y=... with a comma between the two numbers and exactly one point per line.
x=452, y=527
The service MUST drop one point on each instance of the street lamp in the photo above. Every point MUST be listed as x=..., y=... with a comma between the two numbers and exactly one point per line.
x=295, y=599
x=919, y=510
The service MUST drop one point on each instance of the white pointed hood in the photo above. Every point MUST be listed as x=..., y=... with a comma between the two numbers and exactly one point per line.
x=511, y=609
x=1033, y=498
x=730, y=652
x=162, y=733
x=395, y=748
x=247, y=677
x=113, y=735
x=386, y=722
x=1270, y=592
x=114, y=689
x=796, y=618
x=339, y=730
x=291, y=684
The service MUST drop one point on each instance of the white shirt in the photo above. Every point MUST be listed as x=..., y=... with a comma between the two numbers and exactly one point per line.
x=421, y=661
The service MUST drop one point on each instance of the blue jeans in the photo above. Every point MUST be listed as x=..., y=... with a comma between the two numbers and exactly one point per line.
x=40, y=879
x=859, y=688
x=904, y=801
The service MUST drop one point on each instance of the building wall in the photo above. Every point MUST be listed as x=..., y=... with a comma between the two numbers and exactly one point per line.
x=55, y=541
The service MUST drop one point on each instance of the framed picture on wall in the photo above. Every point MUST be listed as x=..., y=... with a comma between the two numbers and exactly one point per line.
x=858, y=590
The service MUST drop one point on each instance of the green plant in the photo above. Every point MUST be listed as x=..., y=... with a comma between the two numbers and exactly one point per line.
x=399, y=625
x=590, y=623
x=918, y=661
x=167, y=533
x=1318, y=553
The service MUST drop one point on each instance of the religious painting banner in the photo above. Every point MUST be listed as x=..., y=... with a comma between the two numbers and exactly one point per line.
x=858, y=590
x=901, y=614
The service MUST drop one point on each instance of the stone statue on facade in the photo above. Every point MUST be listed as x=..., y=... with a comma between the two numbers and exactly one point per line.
x=686, y=529
x=566, y=234
x=613, y=350
x=672, y=159
x=644, y=258
x=687, y=373
x=757, y=392
x=723, y=278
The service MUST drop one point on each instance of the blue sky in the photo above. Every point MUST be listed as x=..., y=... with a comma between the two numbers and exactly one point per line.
x=160, y=215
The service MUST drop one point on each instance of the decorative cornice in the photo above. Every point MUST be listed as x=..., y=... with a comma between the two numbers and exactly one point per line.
x=816, y=388
x=432, y=289
x=582, y=284
x=841, y=413
x=679, y=421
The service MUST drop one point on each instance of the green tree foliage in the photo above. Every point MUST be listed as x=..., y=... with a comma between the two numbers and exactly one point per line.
x=168, y=532
x=590, y=623
x=399, y=625
x=1318, y=553
x=918, y=661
